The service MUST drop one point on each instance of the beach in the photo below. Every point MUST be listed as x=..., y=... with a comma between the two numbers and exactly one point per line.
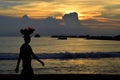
x=71, y=59
x=64, y=77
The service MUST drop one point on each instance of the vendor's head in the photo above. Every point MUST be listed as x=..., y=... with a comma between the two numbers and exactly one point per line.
x=26, y=32
x=27, y=39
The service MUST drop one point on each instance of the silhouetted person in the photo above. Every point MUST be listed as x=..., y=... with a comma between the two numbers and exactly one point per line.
x=25, y=55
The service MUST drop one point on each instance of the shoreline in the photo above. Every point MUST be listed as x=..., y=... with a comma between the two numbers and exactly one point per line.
x=64, y=76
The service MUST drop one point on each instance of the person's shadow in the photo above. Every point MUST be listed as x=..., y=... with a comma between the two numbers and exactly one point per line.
x=25, y=55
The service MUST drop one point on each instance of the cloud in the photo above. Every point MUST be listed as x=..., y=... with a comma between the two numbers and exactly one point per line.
x=30, y=0
x=50, y=7
x=9, y=4
x=102, y=24
x=71, y=19
x=112, y=11
x=102, y=27
x=69, y=25
x=57, y=8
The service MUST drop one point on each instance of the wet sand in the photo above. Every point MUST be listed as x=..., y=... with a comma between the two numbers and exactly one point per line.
x=63, y=77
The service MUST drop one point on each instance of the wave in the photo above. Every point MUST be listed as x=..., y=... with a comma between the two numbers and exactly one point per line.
x=65, y=55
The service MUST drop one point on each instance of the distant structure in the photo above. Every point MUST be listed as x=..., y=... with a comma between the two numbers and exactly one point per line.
x=117, y=37
x=62, y=38
x=37, y=36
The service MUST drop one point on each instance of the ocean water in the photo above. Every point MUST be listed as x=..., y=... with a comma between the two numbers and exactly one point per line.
x=71, y=56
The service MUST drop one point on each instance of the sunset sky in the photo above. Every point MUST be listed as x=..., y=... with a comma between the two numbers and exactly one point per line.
x=105, y=11
x=100, y=9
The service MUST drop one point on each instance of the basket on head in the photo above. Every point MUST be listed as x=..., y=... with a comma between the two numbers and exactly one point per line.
x=27, y=31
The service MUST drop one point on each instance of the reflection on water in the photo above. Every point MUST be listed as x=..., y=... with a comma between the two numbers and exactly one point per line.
x=76, y=66
x=51, y=45
x=74, y=45
x=80, y=66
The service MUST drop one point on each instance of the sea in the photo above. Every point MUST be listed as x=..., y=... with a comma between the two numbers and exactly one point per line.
x=71, y=56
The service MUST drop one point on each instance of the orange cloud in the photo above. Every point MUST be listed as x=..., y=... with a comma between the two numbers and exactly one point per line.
x=57, y=8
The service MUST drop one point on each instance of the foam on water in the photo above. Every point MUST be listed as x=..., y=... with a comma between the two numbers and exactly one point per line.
x=66, y=55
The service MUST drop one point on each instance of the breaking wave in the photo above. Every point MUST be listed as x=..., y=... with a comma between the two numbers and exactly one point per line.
x=65, y=55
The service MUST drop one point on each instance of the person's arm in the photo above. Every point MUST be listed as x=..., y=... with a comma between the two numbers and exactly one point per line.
x=18, y=63
x=35, y=57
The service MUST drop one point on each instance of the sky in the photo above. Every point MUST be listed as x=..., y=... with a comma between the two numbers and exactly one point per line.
x=98, y=15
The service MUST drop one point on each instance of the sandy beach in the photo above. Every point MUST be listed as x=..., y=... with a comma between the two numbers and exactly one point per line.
x=64, y=77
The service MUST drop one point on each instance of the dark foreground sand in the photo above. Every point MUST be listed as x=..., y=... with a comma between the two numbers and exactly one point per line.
x=64, y=77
